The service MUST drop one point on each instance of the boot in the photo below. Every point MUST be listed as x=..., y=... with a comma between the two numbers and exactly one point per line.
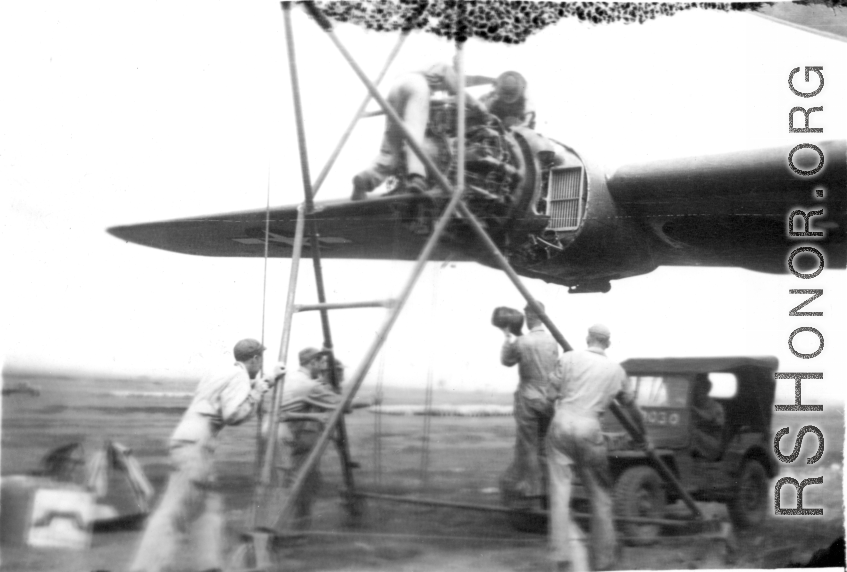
x=416, y=185
x=363, y=183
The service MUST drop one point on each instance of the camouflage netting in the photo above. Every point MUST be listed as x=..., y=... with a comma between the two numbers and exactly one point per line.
x=499, y=20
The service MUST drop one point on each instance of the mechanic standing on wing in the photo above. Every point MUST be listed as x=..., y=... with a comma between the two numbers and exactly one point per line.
x=535, y=354
x=409, y=96
x=227, y=397
x=306, y=399
x=582, y=387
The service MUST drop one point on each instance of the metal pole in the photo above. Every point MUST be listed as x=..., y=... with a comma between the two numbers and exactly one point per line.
x=298, y=109
x=270, y=447
x=666, y=473
x=460, y=117
x=341, y=440
x=502, y=509
x=345, y=305
x=359, y=114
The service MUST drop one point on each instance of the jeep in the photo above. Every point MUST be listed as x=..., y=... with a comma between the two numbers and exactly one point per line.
x=737, y=474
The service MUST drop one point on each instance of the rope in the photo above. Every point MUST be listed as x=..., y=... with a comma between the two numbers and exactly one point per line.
x=427, y=422
x=425, y=439
x=540, y=539
x=267, y=240
x=260, y=405
x=378, y=422
x=522, y=538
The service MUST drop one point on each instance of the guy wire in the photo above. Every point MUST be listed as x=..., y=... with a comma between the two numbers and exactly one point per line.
x=260, y=453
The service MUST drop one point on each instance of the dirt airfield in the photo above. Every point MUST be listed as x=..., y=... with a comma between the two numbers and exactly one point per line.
x=462, y=463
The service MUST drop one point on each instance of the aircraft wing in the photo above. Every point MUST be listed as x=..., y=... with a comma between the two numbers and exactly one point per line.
x=828, y=21
x=732, y=209
x=369, y=229
x=727, y=210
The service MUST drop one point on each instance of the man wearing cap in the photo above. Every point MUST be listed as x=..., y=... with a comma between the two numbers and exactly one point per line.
x=582, y=387
x=535, y=355
x=225, y=397
x=305, y=402
x=509, y=102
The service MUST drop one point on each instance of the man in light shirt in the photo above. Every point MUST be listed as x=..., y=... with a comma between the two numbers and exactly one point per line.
x=226, y=397
x=535, y=355
x=582, y=387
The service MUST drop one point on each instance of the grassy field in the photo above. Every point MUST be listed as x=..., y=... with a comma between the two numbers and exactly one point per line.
x=462, y=462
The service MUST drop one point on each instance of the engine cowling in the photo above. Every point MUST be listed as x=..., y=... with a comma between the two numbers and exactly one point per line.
x=548, y=210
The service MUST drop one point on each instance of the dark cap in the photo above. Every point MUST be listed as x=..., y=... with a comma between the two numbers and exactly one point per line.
x=510, y=86
x=308, y=354
x=247, y=348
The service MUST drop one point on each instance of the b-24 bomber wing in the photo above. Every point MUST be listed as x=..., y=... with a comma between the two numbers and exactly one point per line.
x=566, y=221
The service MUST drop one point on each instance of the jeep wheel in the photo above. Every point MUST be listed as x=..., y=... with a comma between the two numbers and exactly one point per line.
x=748, y=506
x=639, y=491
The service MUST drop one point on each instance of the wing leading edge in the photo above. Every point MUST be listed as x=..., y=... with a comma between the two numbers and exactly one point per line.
x=373, y=229
x=725, y=210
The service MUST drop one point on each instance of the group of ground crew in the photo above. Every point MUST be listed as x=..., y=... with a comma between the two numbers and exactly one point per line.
x=558, y=407
x=559, y=404
x=192, y=502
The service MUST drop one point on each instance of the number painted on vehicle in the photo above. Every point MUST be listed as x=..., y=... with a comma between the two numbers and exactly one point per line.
x=657, y=417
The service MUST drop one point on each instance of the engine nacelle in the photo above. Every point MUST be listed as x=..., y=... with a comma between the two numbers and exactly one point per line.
x=587, y=241
x=549, y=211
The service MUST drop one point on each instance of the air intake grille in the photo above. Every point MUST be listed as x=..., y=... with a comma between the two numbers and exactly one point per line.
x=565, y=198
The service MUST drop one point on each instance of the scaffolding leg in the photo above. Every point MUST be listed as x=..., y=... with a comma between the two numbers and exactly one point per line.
x=259, y=542
x=341, y=430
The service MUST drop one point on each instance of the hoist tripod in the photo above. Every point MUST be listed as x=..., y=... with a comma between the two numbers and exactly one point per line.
x=272, y=512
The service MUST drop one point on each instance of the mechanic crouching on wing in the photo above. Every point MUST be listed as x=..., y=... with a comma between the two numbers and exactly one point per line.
x=409, y=96
x=535, y=355
x=582, y=387
x=509, y=102
x=227, y=397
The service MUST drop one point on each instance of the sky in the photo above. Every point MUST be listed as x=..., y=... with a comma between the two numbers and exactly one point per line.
x=116, y=113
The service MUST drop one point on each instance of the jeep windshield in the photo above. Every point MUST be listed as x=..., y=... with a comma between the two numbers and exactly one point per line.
x=660, y=390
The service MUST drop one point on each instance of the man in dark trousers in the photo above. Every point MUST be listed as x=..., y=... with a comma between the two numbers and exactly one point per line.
x=535, y=355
